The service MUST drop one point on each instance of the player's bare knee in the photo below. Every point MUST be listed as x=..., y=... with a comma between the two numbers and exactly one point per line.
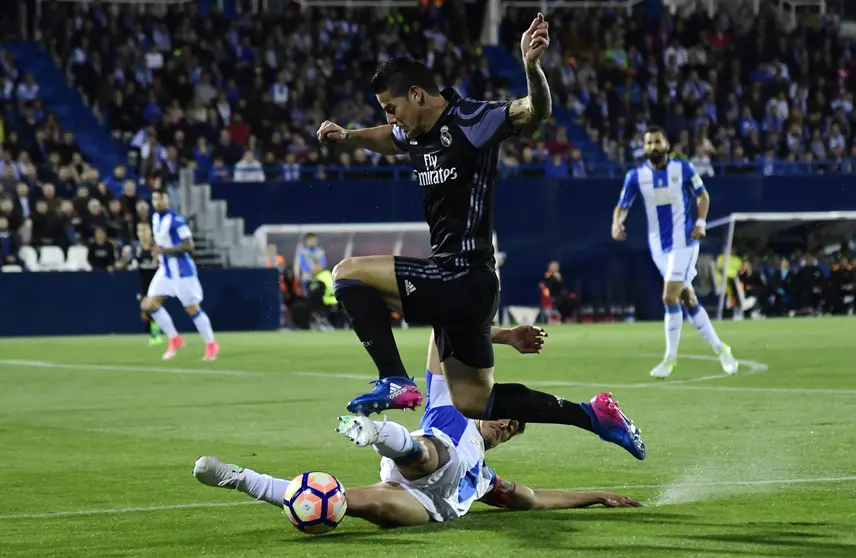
x=471, y=404
x=346, y=269
x=149, y=305
x=671, y=299
x=192, y=310
x=689, y=299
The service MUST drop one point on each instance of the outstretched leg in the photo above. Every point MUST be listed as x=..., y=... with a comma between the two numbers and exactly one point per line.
x=368, y=290
x=384, y=504
x=697, y=315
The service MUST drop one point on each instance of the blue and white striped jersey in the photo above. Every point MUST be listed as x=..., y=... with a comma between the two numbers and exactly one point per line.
x=669, y=195
x=442, y=420
x=170, y=229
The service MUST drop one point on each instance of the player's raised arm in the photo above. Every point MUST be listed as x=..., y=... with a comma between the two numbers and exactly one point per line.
x=520, y=497
x=619, y=214
x=378, y=139
x=538, y=104
x=702, y=199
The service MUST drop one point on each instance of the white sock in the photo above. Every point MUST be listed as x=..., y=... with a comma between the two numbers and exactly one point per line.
x=395, y=440
x=673, y=321
x=263, y=487
x=203, y=324
x=164, y=321
x=701, y=321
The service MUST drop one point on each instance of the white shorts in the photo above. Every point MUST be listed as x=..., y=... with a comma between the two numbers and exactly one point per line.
x=679, y=265
x=439, y=492
x=188, y=290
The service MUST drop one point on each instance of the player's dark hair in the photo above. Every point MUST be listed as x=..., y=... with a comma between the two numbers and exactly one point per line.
x=161, y=191
x=308, y=235
x=398, y=75
x=657, y=130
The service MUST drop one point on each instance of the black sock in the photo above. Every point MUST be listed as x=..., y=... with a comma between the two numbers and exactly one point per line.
x=370, y=319
x=518, y=402
x=148, y=325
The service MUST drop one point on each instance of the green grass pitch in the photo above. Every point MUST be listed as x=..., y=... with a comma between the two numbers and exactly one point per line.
x=98, y=437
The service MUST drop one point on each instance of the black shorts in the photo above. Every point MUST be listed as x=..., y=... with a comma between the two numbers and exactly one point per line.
x=146, y=276
x=459, y=303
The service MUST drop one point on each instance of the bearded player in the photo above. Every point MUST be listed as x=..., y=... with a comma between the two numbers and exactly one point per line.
x=433, y=474
x=453, y=145
x=672, y=191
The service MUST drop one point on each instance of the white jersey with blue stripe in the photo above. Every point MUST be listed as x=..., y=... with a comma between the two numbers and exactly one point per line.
x=170, y=229
x=669, y=195
x=449, y=492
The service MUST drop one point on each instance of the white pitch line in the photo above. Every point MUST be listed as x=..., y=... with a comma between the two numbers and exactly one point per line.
x=125, y=368
x=113, y=511
x=680, y=384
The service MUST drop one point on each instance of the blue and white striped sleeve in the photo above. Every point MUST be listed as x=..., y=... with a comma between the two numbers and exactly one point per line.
x=693, y=178
x=182, y=230
x=484, y=123
x=630, y=189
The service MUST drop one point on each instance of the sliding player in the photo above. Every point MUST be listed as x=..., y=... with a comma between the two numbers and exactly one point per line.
x=176, y=277
x=670, y=188
x=434, y=474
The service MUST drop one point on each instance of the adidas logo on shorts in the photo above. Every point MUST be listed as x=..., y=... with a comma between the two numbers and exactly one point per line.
x=408, y=287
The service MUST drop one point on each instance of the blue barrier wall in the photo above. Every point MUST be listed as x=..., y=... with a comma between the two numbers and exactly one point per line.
x=542, y=219
x=76, y=303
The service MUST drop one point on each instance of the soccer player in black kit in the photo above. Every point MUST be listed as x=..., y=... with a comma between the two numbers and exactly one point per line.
x=147, y=264
x=453, y=145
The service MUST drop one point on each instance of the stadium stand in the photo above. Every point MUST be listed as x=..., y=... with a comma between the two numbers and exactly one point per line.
x=237, y=98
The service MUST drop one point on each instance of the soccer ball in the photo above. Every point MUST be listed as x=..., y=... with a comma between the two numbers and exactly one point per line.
x=315, y=502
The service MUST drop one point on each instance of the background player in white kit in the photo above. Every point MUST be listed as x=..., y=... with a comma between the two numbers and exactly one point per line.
x=434, y=474
x=670, y=189
x=176, y=277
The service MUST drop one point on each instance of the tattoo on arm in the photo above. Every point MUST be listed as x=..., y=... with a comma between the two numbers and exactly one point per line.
x=536, y=106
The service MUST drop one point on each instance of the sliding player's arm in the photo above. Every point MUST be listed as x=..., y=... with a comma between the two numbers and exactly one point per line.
x=702, y=199
x=512, y=496
x=619, y=214
x=526, y=339
x=380, y=139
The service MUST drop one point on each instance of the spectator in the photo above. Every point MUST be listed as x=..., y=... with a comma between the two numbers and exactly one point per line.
x=93, y=218
x=102, y=251
x=119, y=227
x=754, y=288
x=47, y=227
x=308, y=256
x=842, y=286
x=9, y=243
x=249, y=169
x=50, y=198
x=72, y=223
x=811, y=284
x=563, y=301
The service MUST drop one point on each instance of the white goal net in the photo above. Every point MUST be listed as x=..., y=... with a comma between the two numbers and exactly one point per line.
x=344, y=241
x=765, y=238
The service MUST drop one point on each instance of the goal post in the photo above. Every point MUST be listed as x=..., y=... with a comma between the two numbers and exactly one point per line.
x=760, y=231
x=341, y=241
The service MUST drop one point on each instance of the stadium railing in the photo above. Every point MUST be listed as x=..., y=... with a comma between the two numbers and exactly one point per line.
x=305, y=173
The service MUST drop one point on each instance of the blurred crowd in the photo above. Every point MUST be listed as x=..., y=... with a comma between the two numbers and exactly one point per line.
x=241, y=98
x=734, y=92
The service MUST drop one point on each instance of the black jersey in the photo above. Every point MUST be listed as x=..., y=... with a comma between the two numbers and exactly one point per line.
x=145, y=259
x=455, y=166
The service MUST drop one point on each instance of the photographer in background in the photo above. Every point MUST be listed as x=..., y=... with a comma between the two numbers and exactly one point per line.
x=811, y=284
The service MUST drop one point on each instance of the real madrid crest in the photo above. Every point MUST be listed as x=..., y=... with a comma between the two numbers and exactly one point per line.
x=445, y=136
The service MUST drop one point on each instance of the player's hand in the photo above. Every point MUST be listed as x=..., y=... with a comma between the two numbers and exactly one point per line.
x=615, y=501
x=535, y=40
x=618, y=232
x=527, y=339
x=698, y=233
x=330, y=131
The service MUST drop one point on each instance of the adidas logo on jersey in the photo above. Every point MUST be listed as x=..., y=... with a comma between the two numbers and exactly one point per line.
x=408, y=287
